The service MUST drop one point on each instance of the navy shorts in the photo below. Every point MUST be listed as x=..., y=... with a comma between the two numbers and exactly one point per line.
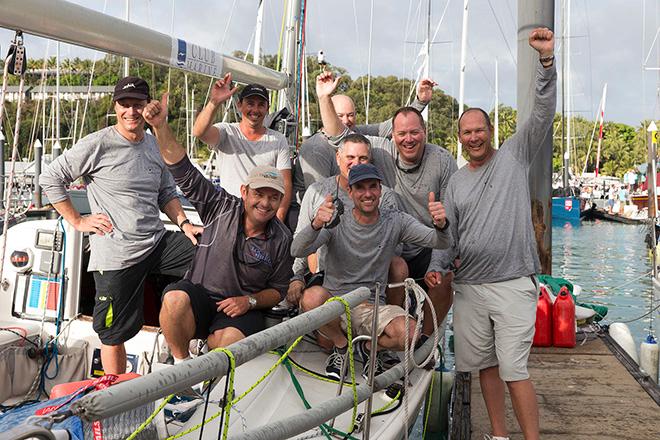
x=207, y=317
x=119, y=302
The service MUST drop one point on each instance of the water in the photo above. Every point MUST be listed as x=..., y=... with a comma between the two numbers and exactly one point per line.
x=610, y=261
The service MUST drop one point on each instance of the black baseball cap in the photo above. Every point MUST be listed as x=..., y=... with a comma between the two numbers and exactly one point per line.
x=131, y=87
x=253, y=90
x=362, y=172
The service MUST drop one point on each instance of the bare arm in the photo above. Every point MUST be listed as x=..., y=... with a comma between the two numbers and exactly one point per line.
x=203, y=127
x=325, y=86
x=288, y=194
x=239, y=305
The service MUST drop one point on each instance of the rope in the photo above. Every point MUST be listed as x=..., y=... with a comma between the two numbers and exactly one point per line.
x=643, y=316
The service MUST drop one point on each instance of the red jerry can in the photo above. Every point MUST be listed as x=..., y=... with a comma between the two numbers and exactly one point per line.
x=543, y=327
x=563, y=322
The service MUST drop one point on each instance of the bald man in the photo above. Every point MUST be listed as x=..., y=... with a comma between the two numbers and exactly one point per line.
x=317, y=157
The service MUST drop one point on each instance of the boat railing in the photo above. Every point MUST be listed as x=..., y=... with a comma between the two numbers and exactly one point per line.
x=142, y=390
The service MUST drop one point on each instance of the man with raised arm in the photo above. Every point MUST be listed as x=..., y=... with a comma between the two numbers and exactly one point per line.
x=243, y=262
x=316, y=157
x=359, y=251
x=489, y=210
x=412, y=168
x=127, y=187
x=241, y=146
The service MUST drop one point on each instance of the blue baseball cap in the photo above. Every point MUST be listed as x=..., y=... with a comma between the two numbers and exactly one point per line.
x=362, y=172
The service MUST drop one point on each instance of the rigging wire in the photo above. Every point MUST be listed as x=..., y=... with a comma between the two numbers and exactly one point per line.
x=360, y=57
x=371, y=32
x=513, y=59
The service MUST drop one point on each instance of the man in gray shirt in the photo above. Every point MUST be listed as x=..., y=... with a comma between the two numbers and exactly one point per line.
x=488, y=207
x=359, y=251
x=316, y=157
x=127, y=187
x=247, y=144
x=413, y=169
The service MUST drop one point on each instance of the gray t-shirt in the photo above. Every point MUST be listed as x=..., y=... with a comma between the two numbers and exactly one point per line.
x=127, y=181
x=411, y=184
x=360, y=255
x=316, y=157
x=237, y=155
x=314, y=198
x=489, y=208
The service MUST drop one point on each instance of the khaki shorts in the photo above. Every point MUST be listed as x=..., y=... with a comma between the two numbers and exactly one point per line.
x=494, y=325
x=362, y=316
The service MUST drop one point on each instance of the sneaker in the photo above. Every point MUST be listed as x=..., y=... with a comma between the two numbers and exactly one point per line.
x=334, y=364
x=363, y=355
x=388, y=359
x=494, y=437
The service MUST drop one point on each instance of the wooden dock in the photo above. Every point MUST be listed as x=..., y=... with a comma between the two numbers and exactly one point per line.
x=593, y=391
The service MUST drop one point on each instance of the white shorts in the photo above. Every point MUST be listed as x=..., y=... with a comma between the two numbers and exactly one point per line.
x=494, y=325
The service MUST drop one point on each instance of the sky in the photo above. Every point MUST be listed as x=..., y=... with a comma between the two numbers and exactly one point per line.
x=610, y=40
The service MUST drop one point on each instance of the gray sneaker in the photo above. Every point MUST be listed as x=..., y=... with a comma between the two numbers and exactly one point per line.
x=388, y=359
x=363, y=355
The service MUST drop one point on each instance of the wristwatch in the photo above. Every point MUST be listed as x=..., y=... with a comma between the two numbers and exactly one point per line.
x=252, y=301
x=183, y=223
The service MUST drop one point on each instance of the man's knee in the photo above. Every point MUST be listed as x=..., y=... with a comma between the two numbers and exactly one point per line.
x=224, y=337
x=398, y=270
x=176, y=302
x=314, y=297
x=397, y=330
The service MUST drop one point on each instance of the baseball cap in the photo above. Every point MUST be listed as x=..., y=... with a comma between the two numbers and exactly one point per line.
x=253, y=90
x=265, y=177
x=363, y=171
x=131, y=87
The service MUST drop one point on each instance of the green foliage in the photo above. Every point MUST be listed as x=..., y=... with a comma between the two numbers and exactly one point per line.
x=623, y=147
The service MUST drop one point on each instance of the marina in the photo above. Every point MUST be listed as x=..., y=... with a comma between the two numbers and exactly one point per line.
x=279, y=383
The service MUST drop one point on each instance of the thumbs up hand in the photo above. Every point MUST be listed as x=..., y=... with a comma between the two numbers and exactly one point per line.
x=437, y=212
x=155, y=112
x=324, y=213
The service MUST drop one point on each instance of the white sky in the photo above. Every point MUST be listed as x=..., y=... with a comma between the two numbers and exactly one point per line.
x=608, y=44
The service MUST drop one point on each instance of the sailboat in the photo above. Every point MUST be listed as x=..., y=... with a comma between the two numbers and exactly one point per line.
x=48, y=346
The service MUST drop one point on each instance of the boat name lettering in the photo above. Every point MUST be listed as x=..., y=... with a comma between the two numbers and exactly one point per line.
x=195, y=58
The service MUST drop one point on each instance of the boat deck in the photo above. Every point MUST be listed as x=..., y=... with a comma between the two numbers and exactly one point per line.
x=590, y=391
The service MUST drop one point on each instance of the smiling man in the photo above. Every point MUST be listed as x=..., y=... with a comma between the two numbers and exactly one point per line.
x=488, y=205
x=412, y=168
x=127, y=187
x=242, y=265
x=359, y=252
x=247, y=144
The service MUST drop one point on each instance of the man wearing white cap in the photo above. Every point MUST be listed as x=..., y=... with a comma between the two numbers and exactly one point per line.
x=242, y=264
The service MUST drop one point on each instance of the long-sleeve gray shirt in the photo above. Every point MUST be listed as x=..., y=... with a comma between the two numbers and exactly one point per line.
x=488, y=208
x=314, y=198
x=412, y=184
x=316, y=158
x=360, y=255
x=125, y=180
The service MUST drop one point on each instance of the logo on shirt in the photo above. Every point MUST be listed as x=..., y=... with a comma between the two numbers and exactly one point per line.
x=260, y=255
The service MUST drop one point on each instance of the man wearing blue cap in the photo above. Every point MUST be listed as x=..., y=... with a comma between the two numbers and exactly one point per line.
x=359, y=252
x=247, y=144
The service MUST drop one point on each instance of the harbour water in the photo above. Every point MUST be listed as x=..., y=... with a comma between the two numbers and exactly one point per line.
x=610, y=261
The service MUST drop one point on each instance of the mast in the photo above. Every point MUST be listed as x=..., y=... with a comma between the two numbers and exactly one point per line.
x=600, y=130
x=531, y=14
x=371, y=31
x=567, y=97
x=287, y=99
x=497, y=107
x=256, y=54
x=57, y=148
x=461, y=83
x=128, y=19
x=427, y=64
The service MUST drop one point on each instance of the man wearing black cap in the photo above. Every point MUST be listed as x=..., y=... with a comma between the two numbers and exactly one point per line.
x=359, y=252
x=127, y=186
x=247, y=144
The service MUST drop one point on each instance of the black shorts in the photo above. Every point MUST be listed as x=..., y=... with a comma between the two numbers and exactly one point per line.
x=418, y=265
x=207, y=317
x=119, y=301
